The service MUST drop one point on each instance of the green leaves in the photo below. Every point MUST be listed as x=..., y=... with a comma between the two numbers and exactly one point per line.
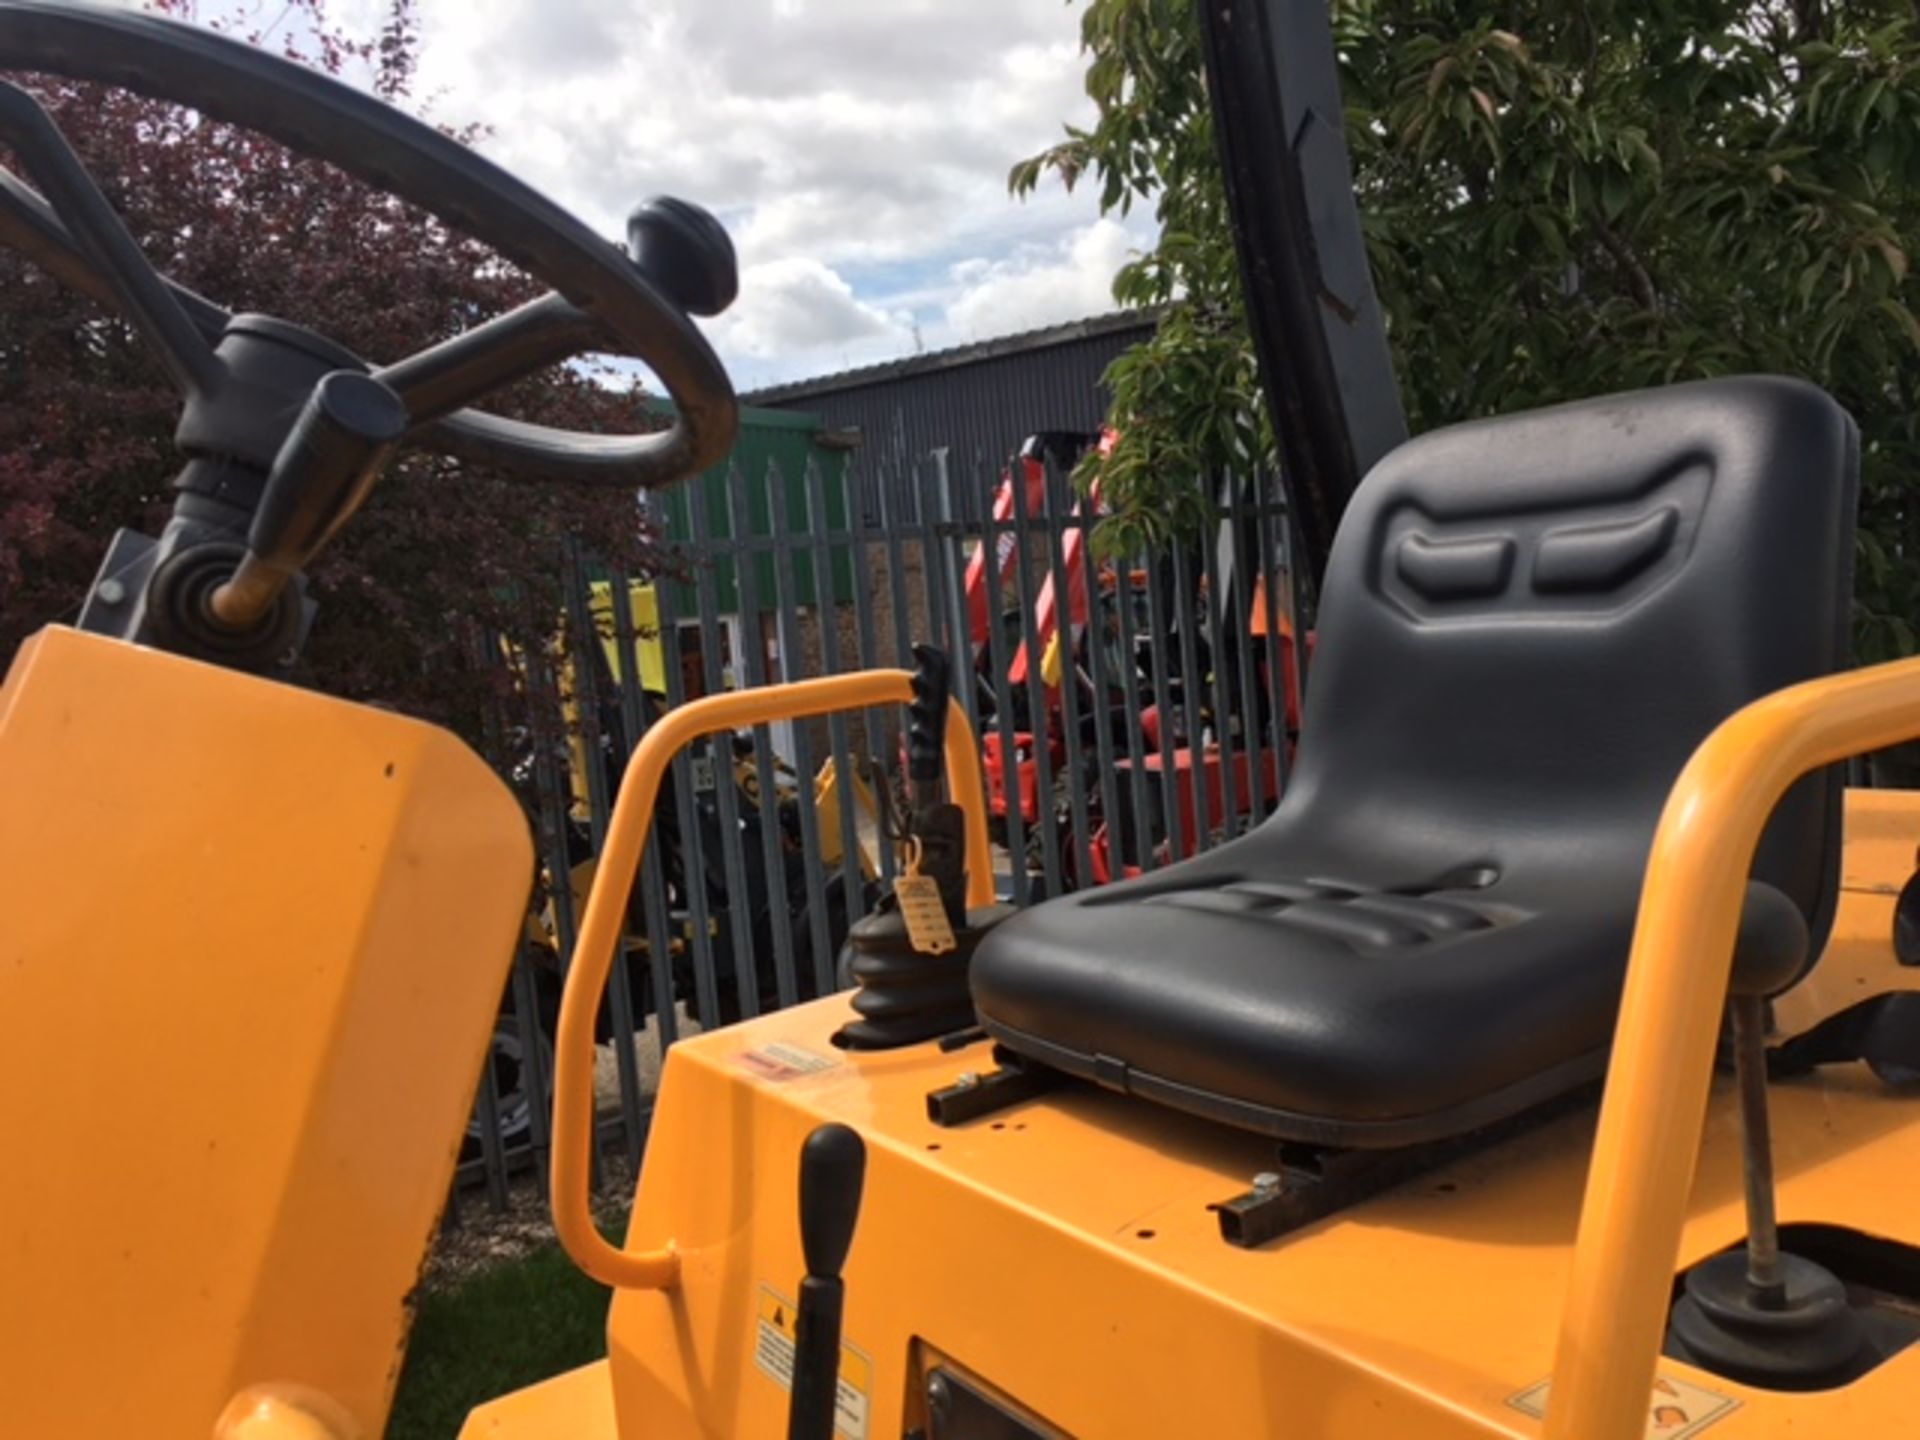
x=1585, y=198
x=1902, y=317
x=1188, y=401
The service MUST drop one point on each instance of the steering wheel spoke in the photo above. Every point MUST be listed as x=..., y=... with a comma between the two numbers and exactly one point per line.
x=444, y=377
x=137, y=288
x=28, y=225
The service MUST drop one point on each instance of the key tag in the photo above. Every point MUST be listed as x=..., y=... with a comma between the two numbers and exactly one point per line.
x=921, y=907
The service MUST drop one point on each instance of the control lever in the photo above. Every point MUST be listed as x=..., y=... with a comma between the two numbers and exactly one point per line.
x=833, y=1168
x=927, y=725
x=910, y=956
x=1760, y=1315
x=343, y=438
x=938, y=825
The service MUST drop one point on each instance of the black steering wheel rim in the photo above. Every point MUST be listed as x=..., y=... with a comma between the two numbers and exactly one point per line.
x=321, y=117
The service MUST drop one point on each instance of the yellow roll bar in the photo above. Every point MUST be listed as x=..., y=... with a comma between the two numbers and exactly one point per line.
x=1676, y=987
x=607, y=906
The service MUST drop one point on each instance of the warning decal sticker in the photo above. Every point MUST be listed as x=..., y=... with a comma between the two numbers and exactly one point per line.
x=1677, y=1409
x=780, y=1061
x=773, y=1355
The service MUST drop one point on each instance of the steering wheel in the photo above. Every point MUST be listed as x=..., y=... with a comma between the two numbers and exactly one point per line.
x=307, y=422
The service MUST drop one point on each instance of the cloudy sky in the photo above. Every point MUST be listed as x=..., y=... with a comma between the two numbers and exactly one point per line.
x=856, y=149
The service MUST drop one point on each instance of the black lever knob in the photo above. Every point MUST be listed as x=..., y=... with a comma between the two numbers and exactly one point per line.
x=685, y=253
x=343, y=438
x=927, y=722
x=833, y=1168
x=1770, y=948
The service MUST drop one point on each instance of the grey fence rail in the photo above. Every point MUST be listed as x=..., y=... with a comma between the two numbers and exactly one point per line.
x=1131, y=710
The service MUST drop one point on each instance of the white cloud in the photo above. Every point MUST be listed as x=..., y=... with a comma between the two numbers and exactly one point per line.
x=862, y=141
x=853, y=126
x=798, y=304
x=832, y=137
x=1039, y=285
x=797, y=318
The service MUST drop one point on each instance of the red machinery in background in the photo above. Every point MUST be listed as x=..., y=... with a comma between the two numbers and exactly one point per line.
x=1068, y=617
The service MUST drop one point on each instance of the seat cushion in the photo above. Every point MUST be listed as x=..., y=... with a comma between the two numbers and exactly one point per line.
x=1308, y=1007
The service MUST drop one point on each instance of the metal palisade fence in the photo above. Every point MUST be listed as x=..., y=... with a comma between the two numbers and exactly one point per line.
x=1131, y=711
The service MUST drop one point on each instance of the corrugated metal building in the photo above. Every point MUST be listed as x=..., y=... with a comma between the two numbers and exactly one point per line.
x=977, y=402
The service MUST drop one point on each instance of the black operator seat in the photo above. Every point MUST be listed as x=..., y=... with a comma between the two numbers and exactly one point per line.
x=1526, y=627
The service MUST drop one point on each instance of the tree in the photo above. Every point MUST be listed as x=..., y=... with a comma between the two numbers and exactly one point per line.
x=1187, y=400
x=442, y=551
x=1560, y=200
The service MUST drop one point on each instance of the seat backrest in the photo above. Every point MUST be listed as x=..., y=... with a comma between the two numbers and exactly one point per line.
x=1528, y=624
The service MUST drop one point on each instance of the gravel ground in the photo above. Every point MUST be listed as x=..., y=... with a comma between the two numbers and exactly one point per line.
x=480, y=1238
x=646, y=1053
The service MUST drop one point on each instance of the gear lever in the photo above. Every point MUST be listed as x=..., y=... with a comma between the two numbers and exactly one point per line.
x=1759, y=1315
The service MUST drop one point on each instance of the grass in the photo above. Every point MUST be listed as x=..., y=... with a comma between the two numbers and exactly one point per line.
x=496, y=1331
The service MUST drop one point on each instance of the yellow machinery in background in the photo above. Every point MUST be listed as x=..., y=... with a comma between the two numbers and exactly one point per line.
x=643, y=615
x=830, y=788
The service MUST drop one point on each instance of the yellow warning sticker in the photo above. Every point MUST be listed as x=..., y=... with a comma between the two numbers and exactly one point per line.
x=1677, y=1409
x=773, y=1341
x=781, y=1061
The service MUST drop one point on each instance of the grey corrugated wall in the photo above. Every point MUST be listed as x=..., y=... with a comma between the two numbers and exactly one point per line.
x=979, y=402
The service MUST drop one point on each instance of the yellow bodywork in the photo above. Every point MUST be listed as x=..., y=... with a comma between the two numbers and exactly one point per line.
x=253, y=991
x=254, y=944
x=575, y=1406
x=1062, y=1250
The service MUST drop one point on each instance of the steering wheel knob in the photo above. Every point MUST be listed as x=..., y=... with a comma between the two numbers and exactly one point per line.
x=684, y=253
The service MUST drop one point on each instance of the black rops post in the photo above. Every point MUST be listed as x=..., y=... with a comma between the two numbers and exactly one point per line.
x=833, y=1167
x=1274, y=79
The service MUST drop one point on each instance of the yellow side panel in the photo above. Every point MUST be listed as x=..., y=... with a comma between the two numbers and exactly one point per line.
x=1056, y=1250
x=252, y=944
x=575, y=1406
